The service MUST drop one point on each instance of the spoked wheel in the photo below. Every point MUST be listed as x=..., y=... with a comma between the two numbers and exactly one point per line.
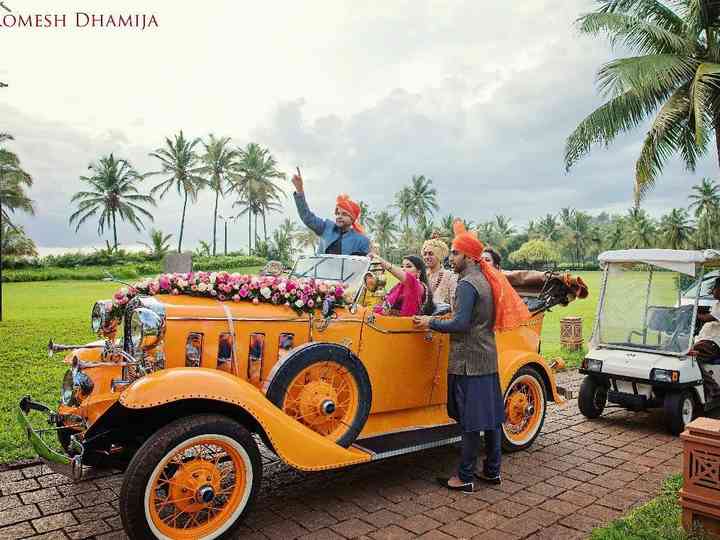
x=525, y=405
x=326, y=389
x=193, y=479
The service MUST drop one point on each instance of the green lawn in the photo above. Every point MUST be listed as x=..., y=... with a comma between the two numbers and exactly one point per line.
x=36, y=312
x=657, y=520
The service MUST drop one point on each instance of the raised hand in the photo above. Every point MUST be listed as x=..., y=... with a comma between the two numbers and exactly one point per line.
x=298, y=182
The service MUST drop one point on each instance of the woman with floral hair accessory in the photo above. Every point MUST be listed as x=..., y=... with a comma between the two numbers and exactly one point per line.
x=442, y=282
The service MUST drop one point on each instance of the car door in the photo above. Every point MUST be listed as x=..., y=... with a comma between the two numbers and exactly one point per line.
x=402, y=362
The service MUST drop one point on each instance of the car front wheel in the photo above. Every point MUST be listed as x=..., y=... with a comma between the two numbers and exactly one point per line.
x=679, y=411
x=525, y=405
x=193, y=479
x=592, y=398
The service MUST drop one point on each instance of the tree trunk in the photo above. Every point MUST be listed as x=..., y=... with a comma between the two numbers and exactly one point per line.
x=114, y=231
x=182, y=224
x=249, y=233
x=217, y=195
x=716, y=125
x=256, y=233
x=264, y=227
x=226, y=237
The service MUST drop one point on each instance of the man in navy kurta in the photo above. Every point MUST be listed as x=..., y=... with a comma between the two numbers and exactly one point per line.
x=342, y=236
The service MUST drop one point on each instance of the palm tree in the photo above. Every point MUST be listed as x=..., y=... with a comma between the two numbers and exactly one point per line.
x=366, y=218
x=706, y=207
x=181, y=169
x=14, y=242
x=423, y=197
x=641, y=229
x=219, y=161
x=676, y=229
x=307, y=239
x=548, y=228
x=203, y=250
x=159, y=243
x=254, y=182
x=385, y=230
x=113, y=193
x=405, y=204
x=13, y=182
x=675, y=73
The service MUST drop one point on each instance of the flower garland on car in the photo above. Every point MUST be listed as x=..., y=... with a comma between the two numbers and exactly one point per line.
x=302, y=295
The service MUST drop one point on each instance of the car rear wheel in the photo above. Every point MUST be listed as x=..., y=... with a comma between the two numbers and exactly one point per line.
x=592, y=398
x=679, y=410
x=195, y=478
x=525, y=405
x=325, y=388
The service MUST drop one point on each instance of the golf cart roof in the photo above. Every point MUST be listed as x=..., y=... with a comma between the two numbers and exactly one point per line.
x=684, y=261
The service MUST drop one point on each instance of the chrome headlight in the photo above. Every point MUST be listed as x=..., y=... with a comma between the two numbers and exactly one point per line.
x=100, y=315
x=664, y=375
x=146, y=328
x=67, y=395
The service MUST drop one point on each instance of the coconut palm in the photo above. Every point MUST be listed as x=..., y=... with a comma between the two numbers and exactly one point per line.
x=705, y=198
x=182, y=169
x=112, y=193
x=159, y=243
x=219, y=161
x=254, y=181
x=203, y=249
x=424, y=198
x=405, y=204
x=13, y=183
x=674, y=76
x=14, y=242
x=641, y=229
x=675, y=229
x=548, y=228
x=385, y=230
x=306, y=238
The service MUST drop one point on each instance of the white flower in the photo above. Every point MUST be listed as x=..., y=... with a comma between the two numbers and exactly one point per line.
x=213, y=277
x=299, y=303
x=266, y=292
x=202, y=287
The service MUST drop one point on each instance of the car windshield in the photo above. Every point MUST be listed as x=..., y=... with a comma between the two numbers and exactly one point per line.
x=340, y=269
x=706, y=283
x=641, y=309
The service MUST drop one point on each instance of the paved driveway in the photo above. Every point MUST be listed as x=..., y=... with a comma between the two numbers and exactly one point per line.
x=579, y=474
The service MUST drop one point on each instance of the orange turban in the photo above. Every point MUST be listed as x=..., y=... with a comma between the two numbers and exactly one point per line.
x=352, y=208
x=510, y=310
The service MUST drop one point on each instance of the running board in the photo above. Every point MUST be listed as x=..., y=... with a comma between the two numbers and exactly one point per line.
x=406, y=442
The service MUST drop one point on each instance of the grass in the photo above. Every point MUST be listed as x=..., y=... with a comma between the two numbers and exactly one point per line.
x=36, y=312
x=659, y=519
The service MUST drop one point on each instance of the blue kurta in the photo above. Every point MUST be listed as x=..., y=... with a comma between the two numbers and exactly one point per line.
x=475, y=401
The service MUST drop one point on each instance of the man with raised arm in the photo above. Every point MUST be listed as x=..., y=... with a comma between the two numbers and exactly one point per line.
x=342, y=236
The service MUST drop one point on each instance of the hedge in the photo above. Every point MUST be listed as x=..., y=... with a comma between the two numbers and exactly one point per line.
x=126, y=271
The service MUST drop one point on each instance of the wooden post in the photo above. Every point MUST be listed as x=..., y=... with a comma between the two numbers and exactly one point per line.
x=700, y=494
x=571, y=333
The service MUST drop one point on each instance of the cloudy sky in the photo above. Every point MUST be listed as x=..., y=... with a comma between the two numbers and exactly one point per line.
x=478, y=96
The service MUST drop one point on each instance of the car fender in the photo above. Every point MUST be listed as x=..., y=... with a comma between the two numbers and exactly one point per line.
x=297, y=445
x=512, y=360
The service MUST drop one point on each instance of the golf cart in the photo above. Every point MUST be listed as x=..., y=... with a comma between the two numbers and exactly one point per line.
x=644, y=329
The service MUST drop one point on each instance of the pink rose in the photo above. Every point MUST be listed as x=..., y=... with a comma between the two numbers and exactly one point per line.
x=236, y=298
x=164, y=282
x=256, y=301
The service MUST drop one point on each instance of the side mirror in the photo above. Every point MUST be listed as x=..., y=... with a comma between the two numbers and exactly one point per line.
x=328, y=307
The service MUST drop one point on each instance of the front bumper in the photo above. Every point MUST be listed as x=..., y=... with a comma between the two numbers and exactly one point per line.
x=71, y=467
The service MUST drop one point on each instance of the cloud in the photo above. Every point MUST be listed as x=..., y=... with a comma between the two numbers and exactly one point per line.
x=478, y=96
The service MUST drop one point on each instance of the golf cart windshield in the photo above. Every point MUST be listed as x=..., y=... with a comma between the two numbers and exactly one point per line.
x=337, y=268
x=641, y=309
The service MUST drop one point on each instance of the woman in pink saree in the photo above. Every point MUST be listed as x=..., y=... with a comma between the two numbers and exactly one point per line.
x=411, y=296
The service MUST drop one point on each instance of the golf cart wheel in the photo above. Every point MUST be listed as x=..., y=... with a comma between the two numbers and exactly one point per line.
x=679, y=410
x=525, y=404
x=194, y=478
x=592, y=398
x=326, y=388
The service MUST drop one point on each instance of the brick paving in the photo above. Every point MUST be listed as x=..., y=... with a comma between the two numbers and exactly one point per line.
x=579, y=474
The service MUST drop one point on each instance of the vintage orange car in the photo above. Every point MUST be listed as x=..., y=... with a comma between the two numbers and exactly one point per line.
x=206, y=361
